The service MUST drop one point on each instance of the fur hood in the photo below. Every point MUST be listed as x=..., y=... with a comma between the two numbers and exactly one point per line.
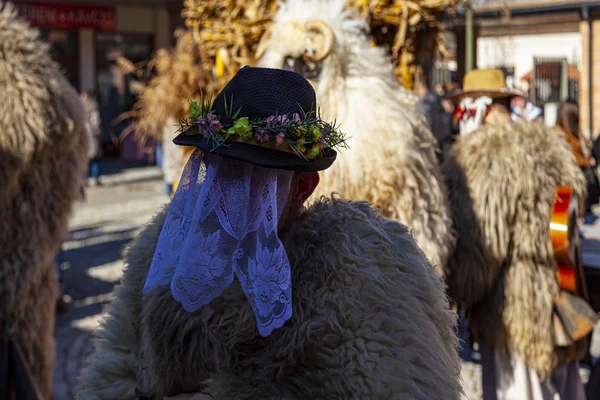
x=501, y=182
x=370, y=321
x=43, y=150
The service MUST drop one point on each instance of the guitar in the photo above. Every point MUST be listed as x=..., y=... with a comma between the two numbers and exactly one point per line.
x=564, y=234
x=573, y=318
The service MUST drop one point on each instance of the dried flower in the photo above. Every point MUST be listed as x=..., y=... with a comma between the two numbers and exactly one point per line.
x=214, y=123
x=262, y=136
x=203, y=126
x=279, y=139
x=215, y=126
x=270, y=121
x=297, y=119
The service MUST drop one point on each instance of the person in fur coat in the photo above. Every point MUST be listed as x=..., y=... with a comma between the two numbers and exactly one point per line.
x=330, y=301
x=502, y=177
x=43, y=152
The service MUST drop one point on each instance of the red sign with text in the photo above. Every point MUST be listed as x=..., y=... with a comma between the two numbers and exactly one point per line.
x=68, y=16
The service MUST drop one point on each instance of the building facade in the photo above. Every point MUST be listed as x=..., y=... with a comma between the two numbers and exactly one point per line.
x=86, y=37
x=545, y=47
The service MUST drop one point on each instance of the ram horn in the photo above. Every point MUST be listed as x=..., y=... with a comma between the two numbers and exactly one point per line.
x=324, y=30
x=262, y=44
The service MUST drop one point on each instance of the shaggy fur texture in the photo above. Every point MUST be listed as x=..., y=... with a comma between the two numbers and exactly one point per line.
x=392, y=160
x=43, y=150
x=370, y=321
x=502, y=181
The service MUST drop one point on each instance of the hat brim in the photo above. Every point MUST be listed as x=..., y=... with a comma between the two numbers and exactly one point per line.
x=456, y=98
x=261, y=156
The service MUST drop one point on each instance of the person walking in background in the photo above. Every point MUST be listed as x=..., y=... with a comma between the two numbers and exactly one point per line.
x=92, y=127
x=523, y=109
x=501, y=177
x=452, y=88
x=568, y=122
x=439, y=121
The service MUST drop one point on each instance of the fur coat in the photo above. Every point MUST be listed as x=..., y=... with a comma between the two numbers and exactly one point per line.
x=370, y=321
x=43, y=149
x=391, y=161
x=501, y=182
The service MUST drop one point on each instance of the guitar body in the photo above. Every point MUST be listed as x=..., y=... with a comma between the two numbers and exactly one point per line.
x=564, y=234
x=573, y=318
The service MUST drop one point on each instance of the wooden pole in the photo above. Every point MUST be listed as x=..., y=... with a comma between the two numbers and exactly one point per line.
x=590, y=67
x=469, y=41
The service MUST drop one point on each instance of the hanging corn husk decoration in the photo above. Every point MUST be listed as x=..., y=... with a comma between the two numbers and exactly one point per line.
x=224, y=35
x=236, y=26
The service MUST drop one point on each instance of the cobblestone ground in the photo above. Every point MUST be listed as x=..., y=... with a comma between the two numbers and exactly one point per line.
x=91, y=259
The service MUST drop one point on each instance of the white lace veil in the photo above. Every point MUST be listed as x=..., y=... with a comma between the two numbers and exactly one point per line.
x=222, y=222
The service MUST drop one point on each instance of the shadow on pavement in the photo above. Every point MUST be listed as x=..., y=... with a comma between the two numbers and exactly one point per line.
x=104, y=250
x=91, y=250
x=112, y=166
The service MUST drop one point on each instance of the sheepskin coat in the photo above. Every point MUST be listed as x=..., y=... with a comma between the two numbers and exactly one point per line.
x=370, y=321
x=43, y=152
x=501, y=182
x=391, y=160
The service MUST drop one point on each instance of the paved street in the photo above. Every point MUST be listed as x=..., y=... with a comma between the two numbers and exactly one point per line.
x=100, y=227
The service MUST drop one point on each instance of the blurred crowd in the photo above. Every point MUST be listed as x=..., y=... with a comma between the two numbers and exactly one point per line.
x=440, y=112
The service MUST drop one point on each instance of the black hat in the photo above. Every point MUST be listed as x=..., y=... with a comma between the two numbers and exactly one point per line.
x=266, y=117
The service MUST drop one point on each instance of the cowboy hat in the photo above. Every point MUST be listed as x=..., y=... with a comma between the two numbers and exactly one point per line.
x=484, y=82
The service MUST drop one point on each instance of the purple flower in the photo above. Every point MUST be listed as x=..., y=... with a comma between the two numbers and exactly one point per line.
x=215, y=125
x=282, y=119
x=297, y=119
x=262, y=136
x=211, y=117
x=203, y=125
x=322, y=143
x=279, y=139
x=270, y=121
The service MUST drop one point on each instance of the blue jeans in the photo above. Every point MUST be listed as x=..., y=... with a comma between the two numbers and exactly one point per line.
x=58, y=262
x=94, y=169
x=159, y=155
x=463, y=335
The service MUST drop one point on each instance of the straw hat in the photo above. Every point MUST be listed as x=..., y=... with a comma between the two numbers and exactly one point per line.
x=485, y=82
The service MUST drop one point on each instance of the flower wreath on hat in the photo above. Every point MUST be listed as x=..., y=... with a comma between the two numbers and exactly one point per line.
x=304, y=134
